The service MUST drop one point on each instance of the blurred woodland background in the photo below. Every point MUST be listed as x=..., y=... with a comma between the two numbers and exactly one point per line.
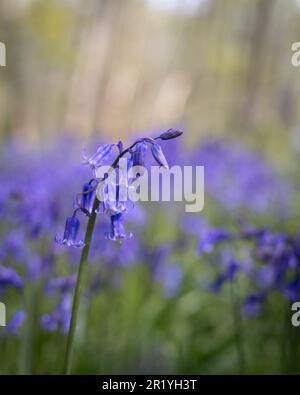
x=113, y=67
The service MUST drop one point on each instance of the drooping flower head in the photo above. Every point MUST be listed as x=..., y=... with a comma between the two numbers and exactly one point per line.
x=159, y=156
x=117, y=231
x=98, y=158
x=86, y=197
x=71, y=233
x=111, y=200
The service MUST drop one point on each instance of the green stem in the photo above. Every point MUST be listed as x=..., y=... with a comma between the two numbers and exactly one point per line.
x=77, y=292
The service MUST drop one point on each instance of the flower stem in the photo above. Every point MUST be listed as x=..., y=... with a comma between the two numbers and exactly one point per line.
x=78, y=287
x=82, y=264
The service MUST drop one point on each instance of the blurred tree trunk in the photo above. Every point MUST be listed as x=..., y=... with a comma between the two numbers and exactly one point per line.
x=93, y=49
x=251, y=87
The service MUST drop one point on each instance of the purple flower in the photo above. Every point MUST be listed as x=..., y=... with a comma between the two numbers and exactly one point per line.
x=14, y=325
x=170, y=276
x=253, y=304
x=71, y=232
x=159, y=156
x=87, y=197
x=292, y=290
x=98, y=158
x=117, y=231
x=62, y=284
x=111, y=205
x=60, y=318
x=138, y=156
x=239, y=178
x=210, y=238
x=265, y=276
x=9, y=278
x=228, y=275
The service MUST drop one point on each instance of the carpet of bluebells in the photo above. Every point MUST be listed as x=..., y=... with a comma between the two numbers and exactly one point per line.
x=208, y=292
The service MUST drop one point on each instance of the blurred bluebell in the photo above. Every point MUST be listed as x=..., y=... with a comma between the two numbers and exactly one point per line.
x=9, y=278
x=14, y=325
x=210, y=238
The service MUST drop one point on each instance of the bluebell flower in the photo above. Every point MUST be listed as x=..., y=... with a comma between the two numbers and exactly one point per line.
x=291, y=290
x=239, y=178
x=138, y=155
x=265, y=277
x=170, y=276
x=14, y=325
x=117, y=231
x=228, y=275
x=86, y=198
x=253, y=304
x=158, y=155
x=211, y=238
x=9, y=278
x=99, y=157
x=35, y=267
x=71, y=232
x=61, y=284
x=60, y=318
x=111, y=205
x=270, y=246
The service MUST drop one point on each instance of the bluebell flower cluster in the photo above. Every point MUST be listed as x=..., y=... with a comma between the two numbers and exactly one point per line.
x=113, y=206
x=240, y=179
x=274, y=264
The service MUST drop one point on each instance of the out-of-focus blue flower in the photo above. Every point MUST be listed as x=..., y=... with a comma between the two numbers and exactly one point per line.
x=9, y=278
x=170, y=276
x=60, y=318
x=14, y=325
x=71, y=232
x=253, y=304
x=35, y=267
x=159, y=156
x=239, y=178
x=291, y=290
x=265, y=276
x=228, y=275
x=270, y=246
x=14, y=246
x=210, y=238
x=61, y=284
x=193, y=225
